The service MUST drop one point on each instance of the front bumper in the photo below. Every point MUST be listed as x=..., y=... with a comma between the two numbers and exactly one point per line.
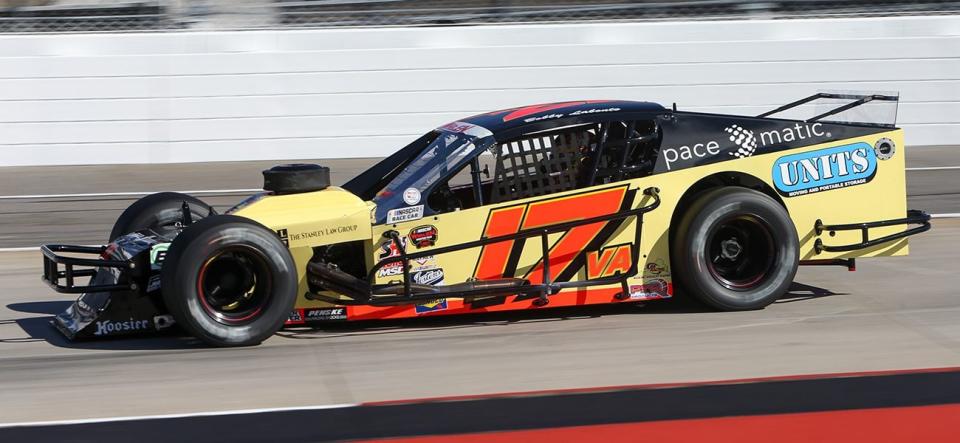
x=122, y=296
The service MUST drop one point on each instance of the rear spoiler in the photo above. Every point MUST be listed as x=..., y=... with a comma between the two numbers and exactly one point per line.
x=858, y=99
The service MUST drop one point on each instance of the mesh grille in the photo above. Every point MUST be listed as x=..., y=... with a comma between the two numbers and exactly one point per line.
x=540, y=165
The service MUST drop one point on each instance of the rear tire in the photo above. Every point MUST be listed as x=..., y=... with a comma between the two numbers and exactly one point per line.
x=229, y=281
x=736, y=249
x=160, y=212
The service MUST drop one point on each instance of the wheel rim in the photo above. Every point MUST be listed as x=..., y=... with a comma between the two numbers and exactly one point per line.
x=741, y=252
x=234, y=285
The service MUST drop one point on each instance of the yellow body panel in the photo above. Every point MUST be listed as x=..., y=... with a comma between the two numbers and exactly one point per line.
x=335, y=216
x=311, y=219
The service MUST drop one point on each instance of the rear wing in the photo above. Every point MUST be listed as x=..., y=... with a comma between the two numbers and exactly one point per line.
x=856, y=100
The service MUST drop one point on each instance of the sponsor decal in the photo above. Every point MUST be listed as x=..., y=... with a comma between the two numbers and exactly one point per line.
x=423, y=236
x=657, y=268
x=433, y=306
x=295, y=317
x=652, y=289
x=411, y=196
x=389, y=249
x=324, y=314
x=686, y=152
x=110, y=251
x=792, y=133
x=108, y=327
x=884, y=148
x=405, y=214
x=284, y=237
x=390, y=269
x=824, y=169
x=158, y=253
x=163, y=321
x=427, y=277
x=746, y=141
x=429, y=261
x=154, y=283
x=83, y=305
x=467, y=128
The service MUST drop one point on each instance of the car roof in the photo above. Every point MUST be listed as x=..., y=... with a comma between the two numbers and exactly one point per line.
x=508, y=119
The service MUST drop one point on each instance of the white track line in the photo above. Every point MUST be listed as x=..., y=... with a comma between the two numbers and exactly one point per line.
x=946, y=215
x=934, y=168
x=125, y=194
x=160, y=417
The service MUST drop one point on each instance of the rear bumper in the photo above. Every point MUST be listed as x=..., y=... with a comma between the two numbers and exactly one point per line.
x=914, y=217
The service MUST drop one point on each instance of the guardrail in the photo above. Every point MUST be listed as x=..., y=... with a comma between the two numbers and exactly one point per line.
x=132, y=15
x=258, y=95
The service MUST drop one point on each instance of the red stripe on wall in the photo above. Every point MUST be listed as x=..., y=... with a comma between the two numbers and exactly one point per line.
x=913, y=424
x=614, y=388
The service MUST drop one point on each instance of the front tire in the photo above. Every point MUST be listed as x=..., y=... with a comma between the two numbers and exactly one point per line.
x=229, y=281
x=161, y=211
x=736, y=249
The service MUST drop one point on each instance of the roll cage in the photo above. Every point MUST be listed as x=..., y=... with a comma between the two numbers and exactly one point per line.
x=531, y=160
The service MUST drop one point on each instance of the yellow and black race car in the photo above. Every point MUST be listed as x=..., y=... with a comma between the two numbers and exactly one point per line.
x=560, y=204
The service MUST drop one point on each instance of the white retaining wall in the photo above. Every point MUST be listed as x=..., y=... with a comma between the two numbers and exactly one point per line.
x=215, y=96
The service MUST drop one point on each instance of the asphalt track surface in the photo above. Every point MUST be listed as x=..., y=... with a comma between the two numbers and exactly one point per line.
x=897, y=313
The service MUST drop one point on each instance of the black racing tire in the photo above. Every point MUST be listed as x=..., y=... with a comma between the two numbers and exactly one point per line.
x=736, y=249
x=229, y=281
x=160, y=212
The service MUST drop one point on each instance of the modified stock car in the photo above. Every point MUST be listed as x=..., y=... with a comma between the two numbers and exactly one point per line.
x=562, y=204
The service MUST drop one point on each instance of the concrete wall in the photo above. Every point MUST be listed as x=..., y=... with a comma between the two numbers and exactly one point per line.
x=188, y=97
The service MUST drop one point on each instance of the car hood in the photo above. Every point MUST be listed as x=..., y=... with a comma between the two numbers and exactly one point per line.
x=317, y=218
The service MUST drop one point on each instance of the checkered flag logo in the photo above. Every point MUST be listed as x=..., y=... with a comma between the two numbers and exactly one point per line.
x=744, y=139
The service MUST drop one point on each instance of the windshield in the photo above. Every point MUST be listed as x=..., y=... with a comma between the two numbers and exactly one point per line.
x=456, y=144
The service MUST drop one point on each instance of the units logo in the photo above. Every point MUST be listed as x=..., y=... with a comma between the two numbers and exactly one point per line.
x=824, y=169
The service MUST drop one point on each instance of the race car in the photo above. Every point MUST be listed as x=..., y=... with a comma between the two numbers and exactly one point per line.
x=560, y=204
